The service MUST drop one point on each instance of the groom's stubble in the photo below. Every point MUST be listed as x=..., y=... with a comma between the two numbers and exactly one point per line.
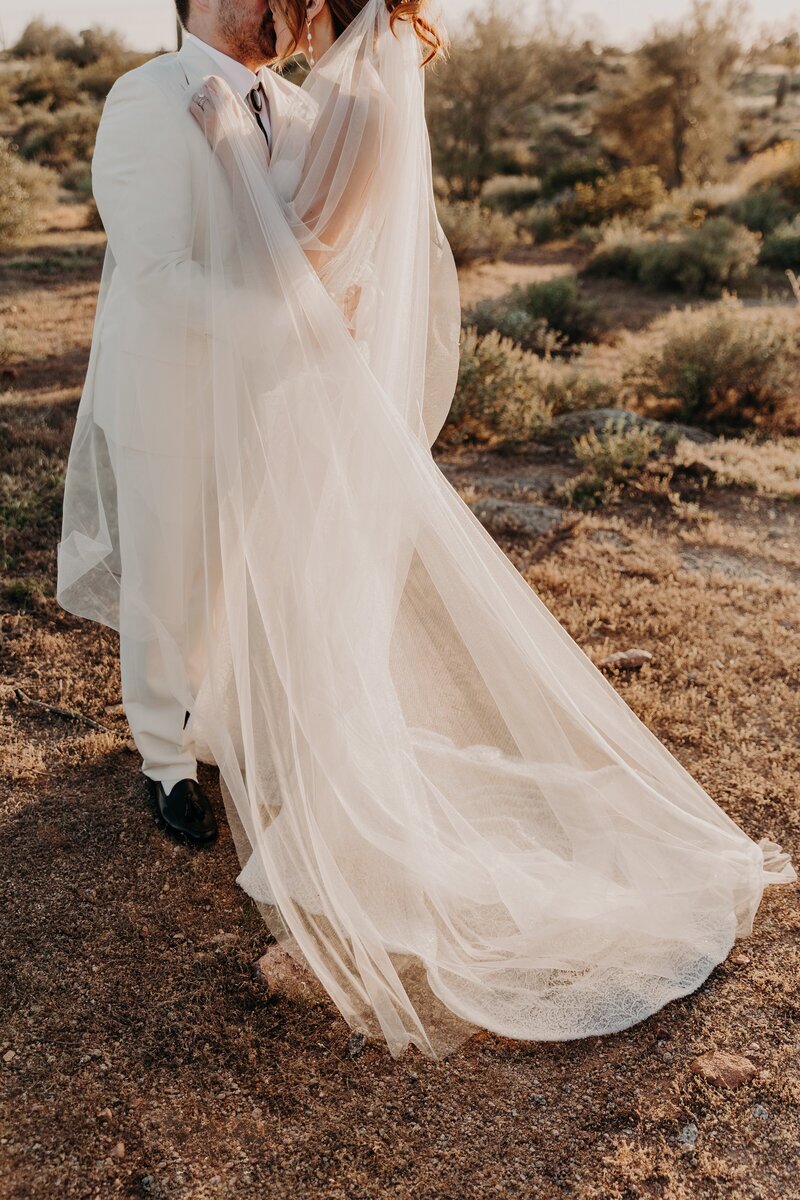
x=248, y=30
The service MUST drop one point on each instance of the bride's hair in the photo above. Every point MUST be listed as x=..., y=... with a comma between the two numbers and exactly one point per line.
x=344, y=12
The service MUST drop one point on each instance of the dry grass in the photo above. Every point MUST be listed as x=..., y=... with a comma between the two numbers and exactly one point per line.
x=141, y=1056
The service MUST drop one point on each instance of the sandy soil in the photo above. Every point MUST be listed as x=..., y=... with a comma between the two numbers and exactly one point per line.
x=141, y=1053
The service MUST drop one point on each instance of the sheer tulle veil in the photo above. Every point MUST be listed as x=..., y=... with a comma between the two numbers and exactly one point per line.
x=442, y=808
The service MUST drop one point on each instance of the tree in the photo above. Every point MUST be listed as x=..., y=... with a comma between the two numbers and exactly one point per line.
x=477, y=99
x=673, y=106
x=487, y=94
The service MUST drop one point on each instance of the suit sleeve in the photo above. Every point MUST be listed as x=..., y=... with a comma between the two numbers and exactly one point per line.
x=141, y=180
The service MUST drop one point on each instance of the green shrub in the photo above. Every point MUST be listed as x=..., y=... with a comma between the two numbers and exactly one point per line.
x=761, y=210
x=542, y=222
x=541, y=317
x=60, y=139
x=24, y=188
x=476, y=234
x=705, y=261
x=497, y=390
x=617, y=450
x=77, y=178
x=510, y=395
x=610, y=457
x=782, y=248
x=510, y=193
x=571, y=172
x=508, y=316
x=718, y=365
x=51, y=84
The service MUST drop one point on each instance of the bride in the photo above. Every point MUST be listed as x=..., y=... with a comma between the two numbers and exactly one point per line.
x=443, y=809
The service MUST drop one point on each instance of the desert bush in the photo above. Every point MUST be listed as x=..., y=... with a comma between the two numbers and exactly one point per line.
x=24, y=188
x=39, y=39
x=510, y=193
x=50, y=84
x=475, y=233
x=571, y=171
x=510, y=395
x=542, y=222
x=782, y=248
x=542, y=317
x=761, y=210
x=92, y=45
x=771, y=467
x=93, y=219
x=778, y=167
x=496, y=393
x=77, y=178
x=8, y=346
x=610, y=456
x=705, y=261
x=617, y=450
x=633, y=190
x=60, y=139
x=719, y=365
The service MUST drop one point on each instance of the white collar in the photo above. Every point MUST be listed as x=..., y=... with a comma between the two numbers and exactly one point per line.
x=240, y=77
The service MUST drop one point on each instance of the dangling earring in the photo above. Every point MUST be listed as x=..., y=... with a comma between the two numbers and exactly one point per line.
x=311, y=58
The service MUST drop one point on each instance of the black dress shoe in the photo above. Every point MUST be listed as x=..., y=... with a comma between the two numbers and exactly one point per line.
x=186, y=810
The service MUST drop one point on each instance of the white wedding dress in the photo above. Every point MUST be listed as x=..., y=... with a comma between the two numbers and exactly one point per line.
x=445, y=811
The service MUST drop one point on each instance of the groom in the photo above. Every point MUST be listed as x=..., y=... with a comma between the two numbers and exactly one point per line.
x=148, y=175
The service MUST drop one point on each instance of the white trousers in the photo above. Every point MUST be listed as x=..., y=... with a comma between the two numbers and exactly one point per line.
x=165, y=537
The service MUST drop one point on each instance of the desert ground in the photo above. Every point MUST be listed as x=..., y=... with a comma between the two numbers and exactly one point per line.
x=145, y=1053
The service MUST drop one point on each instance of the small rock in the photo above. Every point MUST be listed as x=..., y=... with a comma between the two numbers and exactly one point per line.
x=627, y=660
x=9, y=1056
x=742, y=960
x=131, y=745
x=105, y=1115
x=688, y=1135
x=760, y=1112
x=119, y=1150
x=723, y=1069
x=516, y=518
x=718, y=663
x=356, y=1044
x=115, y=710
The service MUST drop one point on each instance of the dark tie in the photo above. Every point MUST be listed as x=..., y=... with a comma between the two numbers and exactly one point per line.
x=258, y=102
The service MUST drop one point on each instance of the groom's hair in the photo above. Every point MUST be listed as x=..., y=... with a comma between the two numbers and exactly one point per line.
x=183, y=11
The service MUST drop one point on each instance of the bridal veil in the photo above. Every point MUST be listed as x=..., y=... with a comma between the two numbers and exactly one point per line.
x=441, y=806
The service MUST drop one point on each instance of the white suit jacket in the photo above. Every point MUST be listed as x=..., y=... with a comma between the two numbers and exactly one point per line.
x=150, y=174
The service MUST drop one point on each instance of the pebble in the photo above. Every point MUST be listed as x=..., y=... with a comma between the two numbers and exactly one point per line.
x=760, y=1112
x=723, y=1069
x=627, y=660
x=688, y=1135
x=356, y=1044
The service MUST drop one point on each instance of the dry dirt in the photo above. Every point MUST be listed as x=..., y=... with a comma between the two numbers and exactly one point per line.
x=141, y=1054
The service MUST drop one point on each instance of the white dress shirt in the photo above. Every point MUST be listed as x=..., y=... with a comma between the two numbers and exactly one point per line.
x=241, y=79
